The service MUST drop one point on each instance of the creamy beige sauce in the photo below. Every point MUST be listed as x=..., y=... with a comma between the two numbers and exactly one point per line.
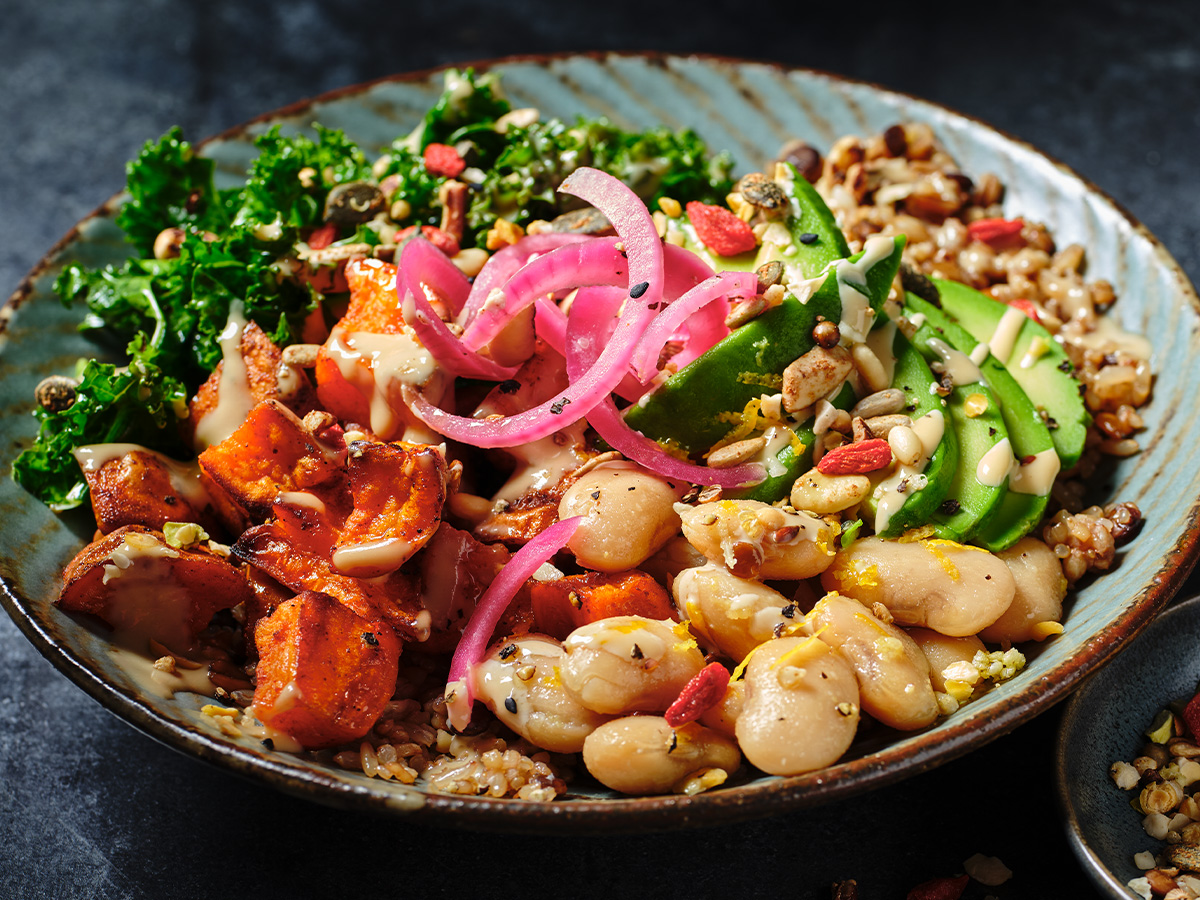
x=185, y=477
x=372, y=558
x=929, y=429
x=147, y=602
x=954, y=363
x=620, y=640
x=857, y=315
x=995, y=465
x=1036, y=477
x=777, y=437
x=544, y=463
x=1004, y=338
x=882, y=342
x=252, y=727
x=234, y=400
x=980, y=354
x=1108, y=333
x=301, y=498
x=145, y=678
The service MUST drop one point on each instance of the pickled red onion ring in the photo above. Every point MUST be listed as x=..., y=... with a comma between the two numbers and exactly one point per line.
x=550, y=322
x=587, y=329
x=422, y=263
x=644, y=252
x=504, y=263
x=460, y=689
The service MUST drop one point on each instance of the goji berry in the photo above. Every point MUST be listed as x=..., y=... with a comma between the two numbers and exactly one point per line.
x=323, y=236
x=443, y=240
x=1191, y=716
x=996, y=233
x=1028, y=307
x=443, y=160
x=856, y=459
x=720, y=230
x=940, y=889
x=699, y=695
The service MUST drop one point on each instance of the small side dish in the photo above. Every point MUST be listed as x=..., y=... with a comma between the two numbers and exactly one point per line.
x=670, y=471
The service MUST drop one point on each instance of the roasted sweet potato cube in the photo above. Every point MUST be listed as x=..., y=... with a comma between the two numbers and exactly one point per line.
x=266, y=377
x=272, y=453
x=561, y=606
x=324, y=673
x=346, y=398
x=398, y=492
x=141, y=487
x=395, y=598
x=374, y=304
x=145, y=589
x=266, y=595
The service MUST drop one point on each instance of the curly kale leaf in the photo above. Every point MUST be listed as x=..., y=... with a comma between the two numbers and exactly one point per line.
x=137, y=404
x=169, y=185
x=467, y=102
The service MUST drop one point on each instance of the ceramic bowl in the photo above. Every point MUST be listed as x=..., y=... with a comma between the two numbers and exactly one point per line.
x=750, y=109
x=1104, y=723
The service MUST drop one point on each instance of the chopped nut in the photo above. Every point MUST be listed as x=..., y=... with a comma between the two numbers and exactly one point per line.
x=736, y=453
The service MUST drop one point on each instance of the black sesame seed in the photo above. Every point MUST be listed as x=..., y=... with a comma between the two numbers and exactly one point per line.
x=789, y=611
x=508, y=651
x=268, y=743
x=638, y=289
x=595, y=495
x=637, y=653
x=510, y=704
x=808, y=238
x=369, y=637
x=949, y=507
x=509, y=387
x=558, y=406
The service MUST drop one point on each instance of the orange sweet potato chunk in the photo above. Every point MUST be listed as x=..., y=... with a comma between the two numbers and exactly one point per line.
x=141, y=586
x=561, y=606
x=141, y=488
x=398, y=492
x=374, y=304
x=324, y=673
x=273, y=453
x=396, y=598
x=263, y=366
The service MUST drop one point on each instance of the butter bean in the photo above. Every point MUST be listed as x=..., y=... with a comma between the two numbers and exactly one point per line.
x=518, y=681
x=756, y=540
x=952, y=588
x=943, y=651
x=645, y=755
x=723, y=717
x=893, y=673
x=629, y=664
x=1041, y=588
x=733, y=615
x=824, y=494
x=801, y=707
x=627, y=512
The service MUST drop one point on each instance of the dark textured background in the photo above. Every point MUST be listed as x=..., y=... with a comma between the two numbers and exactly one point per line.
x=91, y=808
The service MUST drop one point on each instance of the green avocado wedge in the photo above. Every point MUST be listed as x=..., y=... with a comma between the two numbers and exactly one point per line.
x=813, y=239
x=1045, y=375
x=974, y=493
x=893, y=510
x=1020, y=510
x=698, y=405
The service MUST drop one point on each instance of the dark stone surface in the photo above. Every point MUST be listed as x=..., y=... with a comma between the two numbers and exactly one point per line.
x=91, y=808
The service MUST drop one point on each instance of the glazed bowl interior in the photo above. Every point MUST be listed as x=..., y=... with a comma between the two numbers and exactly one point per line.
x=1105, y=723
x=750, y=109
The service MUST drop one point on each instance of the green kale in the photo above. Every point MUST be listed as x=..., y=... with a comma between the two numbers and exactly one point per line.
x=137, y=404
x=169, y=184
x=467, y=102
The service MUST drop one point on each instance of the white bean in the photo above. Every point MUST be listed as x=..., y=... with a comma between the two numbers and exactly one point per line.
x=1041, y=588
x=518, y=681
x=723, y=717
x=952, y=588
x=629, y=664
x=943, y=651
x=756, y=540
x=801, y=707
x=627, y=512
x=823, y=494
x=733, y=615
x=893, y=673
x=645, y=755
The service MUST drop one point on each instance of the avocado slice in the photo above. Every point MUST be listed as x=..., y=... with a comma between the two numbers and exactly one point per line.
x=692, y=408
x=1023, y=505
x=891, y=509
x=1044, y=375
x=974, y=496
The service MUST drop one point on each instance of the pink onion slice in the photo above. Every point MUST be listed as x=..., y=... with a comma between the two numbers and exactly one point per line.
x=575, y=265
x=587, y=330
x=644, y=253
x=460, y=689
x=504, y=263
x=422, y=263
x=683, y=310
x=551, y=325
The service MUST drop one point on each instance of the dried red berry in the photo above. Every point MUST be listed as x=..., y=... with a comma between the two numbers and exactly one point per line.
x=699, y=695
x=323, y=236
x=996, y=233
x=1028, y=307
x=443, y=160
x=856, y=459
x=720, y=230
x=940, y=889
x=443, y=240
x=1191, y=716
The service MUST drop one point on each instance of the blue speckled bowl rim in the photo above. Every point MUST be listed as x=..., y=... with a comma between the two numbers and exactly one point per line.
x=760, y=798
